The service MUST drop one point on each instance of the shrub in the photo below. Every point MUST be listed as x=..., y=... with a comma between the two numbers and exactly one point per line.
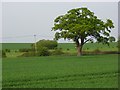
x=25, y=50
x=7, y=50
x=60, y=48
x=96, y=51
x=57, y=52
x=0, y=53
x=28, y=54
x=43, y=51
x=16, y=51
x=3, y=53
x=68, y=49
x=50, y=44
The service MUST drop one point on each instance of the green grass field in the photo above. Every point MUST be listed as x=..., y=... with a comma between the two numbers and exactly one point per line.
x=89, y=47
x=15, y=46
x=65, y=46
x=91, y=71
x=88, y=71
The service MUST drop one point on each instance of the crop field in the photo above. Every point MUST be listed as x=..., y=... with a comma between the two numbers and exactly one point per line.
x=89, y=47
x=87, y=71
x=15, y=46
x=65, y=46
x=91, y=71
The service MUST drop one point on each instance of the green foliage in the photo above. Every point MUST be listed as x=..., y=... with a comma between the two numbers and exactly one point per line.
x=28, y=54
x=93, y=71
x=50, y=44
x=0, y=53
x=111, y=39
x=14, y=52
x=25, y=50
x=7, y=50
x=3, y=53
x=42, y=48
x=43, y=51
x=57, y=52
x=68, y=49
x=96, y=51
x=81, y=25
x=119, y=43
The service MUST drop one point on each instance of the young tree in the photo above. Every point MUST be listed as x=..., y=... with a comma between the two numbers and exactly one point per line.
x=50, y=44
x=81, y=25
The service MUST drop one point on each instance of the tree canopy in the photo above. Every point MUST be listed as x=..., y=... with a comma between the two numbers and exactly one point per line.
x=81, y=25
x=111, y=39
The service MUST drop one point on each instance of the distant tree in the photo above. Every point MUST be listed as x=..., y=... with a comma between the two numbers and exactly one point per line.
x=81, y=25
x=111, y=39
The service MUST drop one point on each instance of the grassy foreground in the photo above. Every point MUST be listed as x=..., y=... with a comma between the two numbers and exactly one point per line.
x=96, y=71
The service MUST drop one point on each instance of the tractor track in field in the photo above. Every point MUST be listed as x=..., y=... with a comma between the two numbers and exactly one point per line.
x=66, y=78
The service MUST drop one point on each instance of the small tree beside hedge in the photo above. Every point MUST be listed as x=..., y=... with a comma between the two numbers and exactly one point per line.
x=50, y=44
x=42, y=48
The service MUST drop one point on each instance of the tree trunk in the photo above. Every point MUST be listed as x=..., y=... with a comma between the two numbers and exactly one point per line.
x=79, y=46
x=79, y=50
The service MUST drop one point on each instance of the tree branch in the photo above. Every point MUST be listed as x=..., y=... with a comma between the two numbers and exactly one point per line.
x=88, y=40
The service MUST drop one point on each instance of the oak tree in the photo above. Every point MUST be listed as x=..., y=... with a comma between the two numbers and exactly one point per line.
x=81, y=25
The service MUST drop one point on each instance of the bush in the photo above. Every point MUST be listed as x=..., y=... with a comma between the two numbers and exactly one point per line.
x=28, y=54
x=50, y=44
x=60, y=48
x=7, y=50
x=3, y=54
x=57, y=52
x=68, y=49
x=43, y=51
x=96, y=51
x=25, y=50
x=0, y=53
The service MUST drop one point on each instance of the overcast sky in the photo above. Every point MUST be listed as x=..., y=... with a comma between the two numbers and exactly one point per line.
x=21, y=20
